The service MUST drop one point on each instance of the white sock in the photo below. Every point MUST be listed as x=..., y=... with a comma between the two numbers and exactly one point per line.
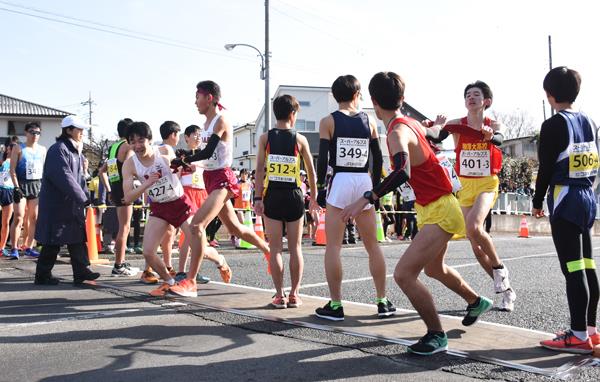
x=582, y=335
x=171, y=282
x=592, y=330
x=222, y=262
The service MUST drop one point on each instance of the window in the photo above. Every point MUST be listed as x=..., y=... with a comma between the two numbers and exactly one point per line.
x=17, y=127
x=253, y=137
x=304, y=125
x=304, y=103
x=235, y=142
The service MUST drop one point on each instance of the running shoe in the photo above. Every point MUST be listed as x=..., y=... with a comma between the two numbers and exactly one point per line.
x=124, y=270
x=279, y=302
x=328, y=313
x=508, y=301
x=430, y=343
x=501, y=281
x=595, y=339
x=475, y=310
x=87, y=276
x=31, y=252
x=180, y=276
x=109, y=251
x=46, y=280
x=148, y=277
x=13, y=254
x=385, y=310
x=185, y=288
x=226, y=272
x=569, y=343
x=171, y=271
x=129, y=251
x=202, y=279
x=5, y=252
x=294, y=301
x=161, y=291
x=214, y=243
x=138, y=250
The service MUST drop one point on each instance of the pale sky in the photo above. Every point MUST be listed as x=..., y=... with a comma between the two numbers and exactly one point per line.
x=436, y=46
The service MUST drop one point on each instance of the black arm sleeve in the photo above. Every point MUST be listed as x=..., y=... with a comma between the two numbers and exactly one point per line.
x=211, y=145
x=322, y=162
x=400, y=175
x=436, y=136
x=377, y=161
x=554, y=138
x=497, y=139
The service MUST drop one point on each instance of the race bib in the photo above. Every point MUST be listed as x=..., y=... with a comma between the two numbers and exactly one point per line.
x=475, y=163
x=583, y=160
x=33, y=170
x=407, y=192
x=113, y=170
x=162, y=191
x=246, y=195
x=211, y=163
x=352, y=152
x=197, y=180
x=282, y=168
x=5, y=179
x=445, y=163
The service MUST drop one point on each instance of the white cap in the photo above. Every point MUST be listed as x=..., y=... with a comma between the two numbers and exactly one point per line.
x=74, y=121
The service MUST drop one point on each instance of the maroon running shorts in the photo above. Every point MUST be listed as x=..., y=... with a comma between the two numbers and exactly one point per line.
x=197, y=196
x=221, y=178
x=174, y=213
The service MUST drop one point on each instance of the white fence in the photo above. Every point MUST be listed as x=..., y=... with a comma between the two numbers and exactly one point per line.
x=512, y=203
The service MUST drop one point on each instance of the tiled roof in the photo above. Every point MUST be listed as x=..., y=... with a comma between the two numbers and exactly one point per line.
x=16, y=107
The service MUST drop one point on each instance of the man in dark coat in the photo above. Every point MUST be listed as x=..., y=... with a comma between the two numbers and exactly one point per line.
x=62, y=203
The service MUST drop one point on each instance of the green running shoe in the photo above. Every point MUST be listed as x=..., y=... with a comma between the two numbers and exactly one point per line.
x=430, y=343
x=479, y=307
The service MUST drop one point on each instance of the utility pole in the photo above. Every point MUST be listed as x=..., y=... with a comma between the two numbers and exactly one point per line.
x=89, y=103
x=267, y=55
x=550, y=64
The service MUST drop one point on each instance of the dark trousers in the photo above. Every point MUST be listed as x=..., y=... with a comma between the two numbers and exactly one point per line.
x=136, y=224
x=79, y=259
x=574, y=249
x=212, y=228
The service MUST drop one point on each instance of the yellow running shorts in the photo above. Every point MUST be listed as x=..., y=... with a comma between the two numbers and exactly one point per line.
x=445, y=212
x=472, y=187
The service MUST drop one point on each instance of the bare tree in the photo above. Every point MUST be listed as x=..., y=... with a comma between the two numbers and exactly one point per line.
x=517, y=123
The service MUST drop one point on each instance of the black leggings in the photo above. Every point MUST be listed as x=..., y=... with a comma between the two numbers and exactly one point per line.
x=212, y=228
x=388, y=218
x=574, y=249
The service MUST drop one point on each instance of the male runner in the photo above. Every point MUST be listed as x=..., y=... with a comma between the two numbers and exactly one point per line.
x=438, y=213
x=348, y=139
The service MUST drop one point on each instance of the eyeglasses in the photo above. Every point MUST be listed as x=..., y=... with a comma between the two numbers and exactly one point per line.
x=34, y=132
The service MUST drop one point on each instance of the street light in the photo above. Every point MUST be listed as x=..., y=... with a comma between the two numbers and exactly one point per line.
x=264, y=75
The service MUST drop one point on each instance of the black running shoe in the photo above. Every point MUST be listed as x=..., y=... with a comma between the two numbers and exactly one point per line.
x=385, y=310
x=430, y=343
x=46, y=280
x=88, y=276
x=475, y=310
x=328, y=313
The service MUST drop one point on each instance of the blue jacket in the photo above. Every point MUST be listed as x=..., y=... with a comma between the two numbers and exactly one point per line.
x=63, y=197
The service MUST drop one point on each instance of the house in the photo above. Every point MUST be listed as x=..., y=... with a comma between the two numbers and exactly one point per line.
x=315, y=103
x=15, y=113
x=244, y=146
x=522, y=147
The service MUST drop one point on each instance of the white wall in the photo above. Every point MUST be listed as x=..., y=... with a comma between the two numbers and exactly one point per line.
x=244, y=149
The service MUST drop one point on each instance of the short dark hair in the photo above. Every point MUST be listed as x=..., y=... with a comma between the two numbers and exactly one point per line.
x=122, y=127
x=485, y=90
x=168, y=128
x=141, y=129
x=345, y=87
x=210, y=87
x=387, y=89
x=191, y=129
x=32, y=125
x=563, y=84
x=285, y=105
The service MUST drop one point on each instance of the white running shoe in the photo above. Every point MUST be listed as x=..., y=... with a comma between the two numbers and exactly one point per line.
x=508, y=301
x=501, y=281
x=125, y=270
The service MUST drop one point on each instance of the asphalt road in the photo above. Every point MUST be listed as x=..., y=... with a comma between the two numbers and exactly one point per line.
x=67, y=333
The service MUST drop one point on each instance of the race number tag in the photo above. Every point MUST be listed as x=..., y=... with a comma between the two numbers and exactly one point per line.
x=5, y=179
x=246, y=195
x=162, y=191
x=113, y=170
x=407, y=193
x=445, y=163
x=352, y=152
x=282, y=168
x=34, y=170
x=583, y=160
x=197, y=180
x=211, y=163
x=475, y=163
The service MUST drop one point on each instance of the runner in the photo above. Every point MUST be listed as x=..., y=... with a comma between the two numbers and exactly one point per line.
x=348, y=139
x=568, y=164
x=242, y=202
x=168, y=206
x=193, y=187
x=26, y=169
x=279, y=151
x=112, y=178
x=6, y=193
x=169, y=132
x=438, y=213
x=221, y=184
x=477, y=165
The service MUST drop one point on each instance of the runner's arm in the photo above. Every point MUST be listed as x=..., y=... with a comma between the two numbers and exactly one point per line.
x=554, y=138
x=130, y=193
x=15, y=155
x=401, y=172
x=196, y=155
x=308, y=165
x=260, y=167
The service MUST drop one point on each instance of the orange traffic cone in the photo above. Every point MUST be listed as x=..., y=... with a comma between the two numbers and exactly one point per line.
x=524, y=228
x=258, y=227
x=320, y=236
x=92, y=245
